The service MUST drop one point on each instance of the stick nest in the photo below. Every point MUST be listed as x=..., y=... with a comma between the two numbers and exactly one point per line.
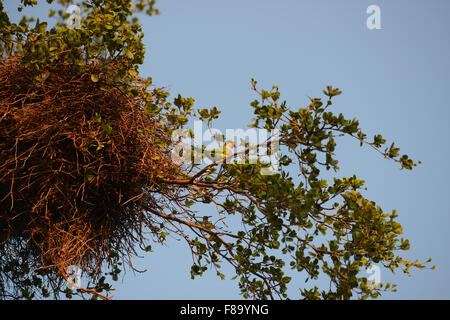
x=80, y=161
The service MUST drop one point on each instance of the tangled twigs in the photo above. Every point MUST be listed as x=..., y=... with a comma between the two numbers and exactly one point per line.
x=77, y=160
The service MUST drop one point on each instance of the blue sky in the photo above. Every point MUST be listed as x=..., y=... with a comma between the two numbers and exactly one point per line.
x=394, y=80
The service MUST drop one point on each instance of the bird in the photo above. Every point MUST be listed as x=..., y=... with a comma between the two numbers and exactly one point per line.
x=229, y=147
x=224, y=152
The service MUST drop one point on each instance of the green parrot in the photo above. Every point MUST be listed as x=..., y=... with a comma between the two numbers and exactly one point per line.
x=220, y=153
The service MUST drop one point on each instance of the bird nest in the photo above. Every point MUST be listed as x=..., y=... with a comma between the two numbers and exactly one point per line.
x=79, y=167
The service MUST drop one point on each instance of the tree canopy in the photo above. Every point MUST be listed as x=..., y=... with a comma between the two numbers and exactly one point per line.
x=90, y=171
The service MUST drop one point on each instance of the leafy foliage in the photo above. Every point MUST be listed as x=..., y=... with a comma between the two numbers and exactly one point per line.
x=305, y=223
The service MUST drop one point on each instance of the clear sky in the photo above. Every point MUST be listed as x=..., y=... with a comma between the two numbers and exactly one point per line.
x=394, y=80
